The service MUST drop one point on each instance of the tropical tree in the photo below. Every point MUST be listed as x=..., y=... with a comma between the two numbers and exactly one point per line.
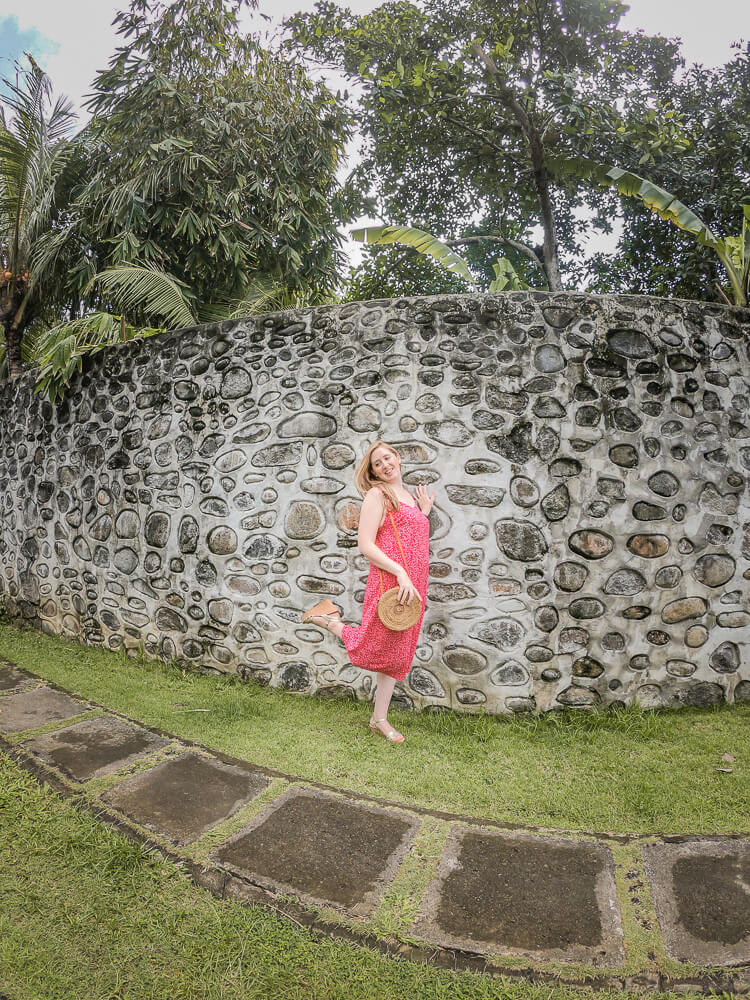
x=712, y=176
x=464, y=100
x=732, y=251
x=196, y=129
x=208, y=186
x=34, y=156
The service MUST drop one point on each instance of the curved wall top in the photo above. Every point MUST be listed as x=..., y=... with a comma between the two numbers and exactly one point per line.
x=590, y=541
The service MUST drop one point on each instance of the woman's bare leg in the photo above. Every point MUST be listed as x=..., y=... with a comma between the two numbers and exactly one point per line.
x=383, y=694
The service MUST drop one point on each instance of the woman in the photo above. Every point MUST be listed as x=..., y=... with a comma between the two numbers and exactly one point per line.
x=387, y=505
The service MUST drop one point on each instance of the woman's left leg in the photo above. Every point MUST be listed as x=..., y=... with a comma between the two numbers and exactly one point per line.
x=383, y=694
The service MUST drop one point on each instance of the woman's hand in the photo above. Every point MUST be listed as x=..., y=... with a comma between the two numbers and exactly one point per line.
x=406, y=589
x=425, y=500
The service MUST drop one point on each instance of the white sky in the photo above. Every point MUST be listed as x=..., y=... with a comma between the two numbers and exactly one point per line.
x=85, y=38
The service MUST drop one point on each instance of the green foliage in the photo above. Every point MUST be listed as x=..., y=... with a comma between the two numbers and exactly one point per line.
x=197, y=128
x=204, y=184
x=712, y=176
x=148, y=290
x=60, y=351
x=428, y=245
x=733, y=251
x=394, y=271
x=421, y=241
x=449, y=143
x=34, y=155
x=506, y=277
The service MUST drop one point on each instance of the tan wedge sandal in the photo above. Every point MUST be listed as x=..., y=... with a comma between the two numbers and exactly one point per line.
x=326, y=610
x=393, y=735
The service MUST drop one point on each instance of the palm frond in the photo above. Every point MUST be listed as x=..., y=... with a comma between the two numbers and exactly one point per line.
x=265, y=293
x=149, y=291
x=60, y=350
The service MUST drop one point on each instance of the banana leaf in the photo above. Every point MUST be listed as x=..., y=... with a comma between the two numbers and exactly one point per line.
x=419, y=240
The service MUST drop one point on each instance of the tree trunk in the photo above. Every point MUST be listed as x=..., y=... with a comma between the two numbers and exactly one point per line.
x=541, y=177
x=13, y=340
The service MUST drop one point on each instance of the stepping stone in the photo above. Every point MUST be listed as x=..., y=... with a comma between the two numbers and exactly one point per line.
x=12, y=678
x=701, y=891
x=95, y=747
x=182, y=798
x=322, y=849
x=35, y=708
x=521, y=894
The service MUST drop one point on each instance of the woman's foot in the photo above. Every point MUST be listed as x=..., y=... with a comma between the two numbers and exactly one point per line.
x=384, y=727
x=325, y=615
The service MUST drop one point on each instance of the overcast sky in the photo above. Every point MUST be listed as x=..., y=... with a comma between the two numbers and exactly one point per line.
x=72, y=39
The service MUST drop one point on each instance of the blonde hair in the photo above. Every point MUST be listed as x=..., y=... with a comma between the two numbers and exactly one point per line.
x=365, y=479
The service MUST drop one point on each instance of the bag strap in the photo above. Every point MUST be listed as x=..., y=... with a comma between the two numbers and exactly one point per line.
x=400, y=547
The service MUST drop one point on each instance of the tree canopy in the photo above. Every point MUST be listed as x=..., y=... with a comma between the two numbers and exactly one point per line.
x=473, y=111
x=210, y=157
x=205, y=181
x=34, y=160
x=711, y=175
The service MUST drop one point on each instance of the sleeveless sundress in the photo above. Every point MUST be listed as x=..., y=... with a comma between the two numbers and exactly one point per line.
x=371, y=645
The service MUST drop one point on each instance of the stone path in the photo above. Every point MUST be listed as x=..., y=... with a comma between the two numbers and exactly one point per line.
x=636, y=912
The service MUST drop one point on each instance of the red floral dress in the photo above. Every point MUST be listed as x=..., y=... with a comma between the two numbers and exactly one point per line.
x=371, y=645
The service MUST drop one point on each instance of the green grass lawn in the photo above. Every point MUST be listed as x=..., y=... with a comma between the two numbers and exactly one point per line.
x=627, y=771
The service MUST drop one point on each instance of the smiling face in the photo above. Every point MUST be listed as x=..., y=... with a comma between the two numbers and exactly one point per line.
x=385, y=465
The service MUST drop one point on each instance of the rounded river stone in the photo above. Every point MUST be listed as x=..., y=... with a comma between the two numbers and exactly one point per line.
x=570, y=576
x=668, y=577
x=714, y=569
x=520, y=540
x=464, y=661
x=222, y=540
x=630, y=343
x=524, y=492
x=625, y=581
x=549, y=358
x=156, y=529
x=624, y=455
x=664, y=483
x=556, y=504
x=696, y=636
x=725, y=659
x=648, y=546
x=510, y=673
x=587, y=666
x=591, y=544
x=586, y=607
x=304, y=520
x=682, y=609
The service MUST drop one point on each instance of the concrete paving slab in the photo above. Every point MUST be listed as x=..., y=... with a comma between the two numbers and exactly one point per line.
x=701, y=891
x=12, y=678
x=95, y=747
x=34, y=708
x=515, y=893
x=183, y=798
x=321, y=848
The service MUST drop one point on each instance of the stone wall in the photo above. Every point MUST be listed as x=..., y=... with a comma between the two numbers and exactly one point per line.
x=590, y=541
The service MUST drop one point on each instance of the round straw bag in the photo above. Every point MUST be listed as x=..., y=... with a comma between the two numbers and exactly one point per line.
x=397, y=617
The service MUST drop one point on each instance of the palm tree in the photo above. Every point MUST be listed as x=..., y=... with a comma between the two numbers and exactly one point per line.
x=33, y=156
